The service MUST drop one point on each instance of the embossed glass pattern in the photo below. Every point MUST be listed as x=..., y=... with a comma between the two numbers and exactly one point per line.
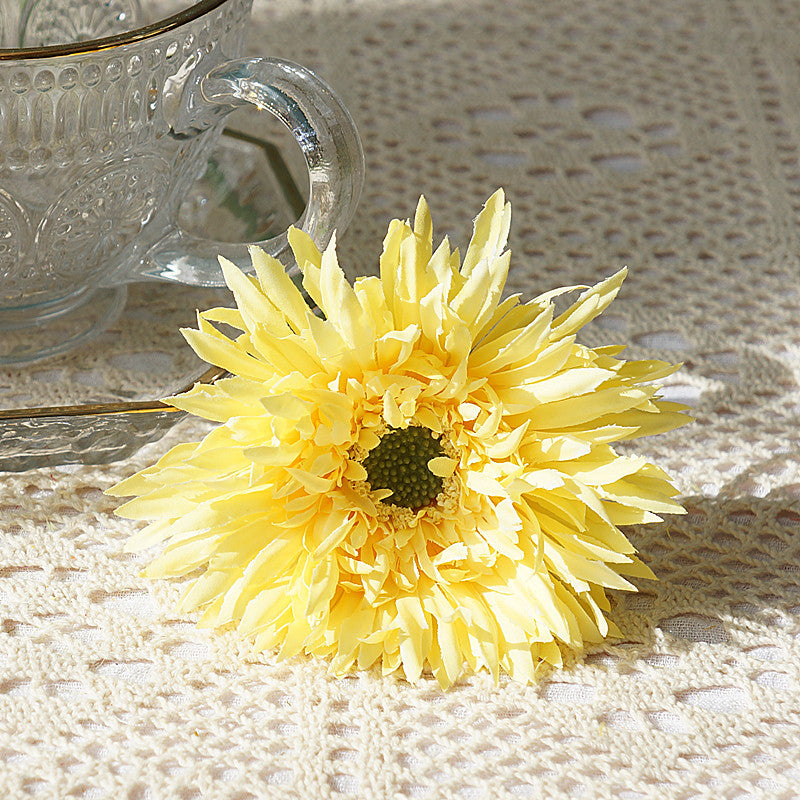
x=99, y=147
x=99, y=403
x=31, y=443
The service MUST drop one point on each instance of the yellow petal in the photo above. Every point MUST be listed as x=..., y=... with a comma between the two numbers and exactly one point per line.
x=589, y=305
x=280, y=288
x=490, y=232
x=223, y=353
x=442, y=466
x=303, y=247
x=389, y=259
x=322, y=587
x=339, y=301
x=253, y=306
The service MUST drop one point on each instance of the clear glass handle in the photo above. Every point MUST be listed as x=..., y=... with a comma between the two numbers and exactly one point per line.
x=327, y=136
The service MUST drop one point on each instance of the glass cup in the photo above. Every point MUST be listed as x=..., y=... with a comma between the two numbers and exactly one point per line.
x=109, y=110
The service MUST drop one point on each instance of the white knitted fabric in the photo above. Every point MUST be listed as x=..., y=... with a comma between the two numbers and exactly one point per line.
x=661, y=135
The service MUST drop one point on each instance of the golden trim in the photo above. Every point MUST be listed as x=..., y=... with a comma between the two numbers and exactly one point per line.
x=118, y=40
x=101, y=409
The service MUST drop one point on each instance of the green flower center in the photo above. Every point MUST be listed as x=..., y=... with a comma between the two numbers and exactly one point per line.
x=400, y=463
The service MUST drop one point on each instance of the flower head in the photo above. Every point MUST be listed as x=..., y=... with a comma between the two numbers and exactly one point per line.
x=423, y=475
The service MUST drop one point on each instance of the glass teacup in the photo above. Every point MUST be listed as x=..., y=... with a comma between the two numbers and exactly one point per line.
x=109, y=110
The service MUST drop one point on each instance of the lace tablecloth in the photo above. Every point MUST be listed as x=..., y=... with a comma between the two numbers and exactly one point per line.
x=664, y=136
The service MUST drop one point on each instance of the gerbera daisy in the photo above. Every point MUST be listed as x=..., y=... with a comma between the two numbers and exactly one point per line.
x=422, y=475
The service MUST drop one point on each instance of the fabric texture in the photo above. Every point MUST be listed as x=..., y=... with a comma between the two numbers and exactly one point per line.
x=663, y=136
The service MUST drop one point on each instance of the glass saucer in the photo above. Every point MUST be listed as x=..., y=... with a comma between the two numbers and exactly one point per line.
x=99, y=403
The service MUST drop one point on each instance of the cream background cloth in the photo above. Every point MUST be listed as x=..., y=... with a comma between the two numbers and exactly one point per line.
x=660, y=135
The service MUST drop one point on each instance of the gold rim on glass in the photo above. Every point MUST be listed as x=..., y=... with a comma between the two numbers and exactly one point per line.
x=101, y=409
x=128, y=37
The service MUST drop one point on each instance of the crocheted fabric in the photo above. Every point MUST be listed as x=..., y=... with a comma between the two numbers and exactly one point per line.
x=659, y=135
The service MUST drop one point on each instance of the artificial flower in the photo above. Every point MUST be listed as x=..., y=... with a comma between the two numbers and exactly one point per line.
x=420, y=475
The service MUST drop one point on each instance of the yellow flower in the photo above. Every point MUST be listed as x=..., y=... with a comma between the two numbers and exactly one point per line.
x=422, y=476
